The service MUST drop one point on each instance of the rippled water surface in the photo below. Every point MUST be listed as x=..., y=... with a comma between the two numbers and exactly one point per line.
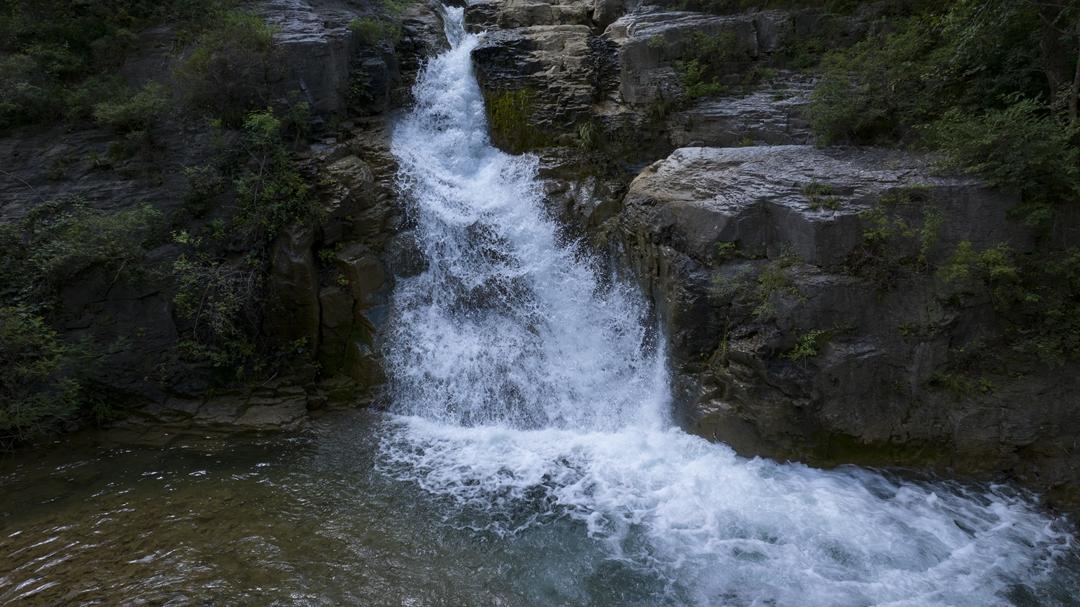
x=303, y=519
x=320, y=517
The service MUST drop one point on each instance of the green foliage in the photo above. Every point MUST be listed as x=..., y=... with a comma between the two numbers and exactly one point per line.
x=1038, y=297
x=271, y=191
x=508, y=116
x=49, y=249
x=1021, y=146
x=228, y=74
x=59, y=241
x=966, y=54
x=219, y=294
x=995, y=265
x=220, y=300
x=821, y=196
x=376, y=32
x=731, y=6
x=589, y=136
x=705, y=62
x=56, y=55
x=139, y=112
x=773, y=282
x=960, y=385
x=868, y=91
x=809, y=345
x=726, y=251
x=206, y=182
x=980, y=80
x=25, y=94
x=908, y=194
x=36, y=390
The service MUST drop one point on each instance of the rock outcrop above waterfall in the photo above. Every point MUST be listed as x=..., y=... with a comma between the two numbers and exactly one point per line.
x=568, y=73
x=808, y=315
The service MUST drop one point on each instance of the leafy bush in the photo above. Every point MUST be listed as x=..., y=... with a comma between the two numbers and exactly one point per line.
x=271, y=191
x=820, y=196
x=809, y=345
x=229, y=72
x=706, y=61
x=61, y=240
x=508, y=114
x=220, y=300
x=1022, y=146
x=1038, y=297
x=24, y=93
x=137, y=113
x=966, y=54
x=35, y=389
x=730, y=6
x=51, y=50
x=374, y=31
x=868, y=92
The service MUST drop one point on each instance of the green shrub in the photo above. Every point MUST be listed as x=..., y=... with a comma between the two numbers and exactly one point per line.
x=375, y=32
x=271, y=191
x=866, y=93
x=81, y=100
x=1038, y=297
x=229, y=72
x=51, y=50
x=36, y=391
x=139, y=112
x=707, y=59
x=773, y=282
x=508, y=115
x=966, y=54
x=58, y=241
x=25, y=95
x=820, y=196
x=809, y=345
x=731, y=6
x=1023, y=147
x=220, y=300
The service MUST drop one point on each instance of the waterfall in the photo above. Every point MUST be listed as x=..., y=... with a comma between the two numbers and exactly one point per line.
x=529, y=388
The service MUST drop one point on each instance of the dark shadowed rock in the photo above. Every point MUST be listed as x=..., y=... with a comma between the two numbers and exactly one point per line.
x=292, y=288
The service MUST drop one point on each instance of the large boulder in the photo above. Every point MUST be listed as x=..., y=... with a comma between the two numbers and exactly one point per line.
x=771, y=114
x=799, y=292
x=807, y=201
x=651, y=43
x=540, y=82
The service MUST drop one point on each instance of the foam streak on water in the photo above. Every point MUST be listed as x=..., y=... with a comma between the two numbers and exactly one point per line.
x=530, y=390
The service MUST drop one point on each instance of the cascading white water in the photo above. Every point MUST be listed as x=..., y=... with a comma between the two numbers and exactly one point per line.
x=529, y=390
x=506, y=325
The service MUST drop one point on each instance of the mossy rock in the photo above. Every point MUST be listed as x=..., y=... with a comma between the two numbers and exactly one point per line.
x=509, y=114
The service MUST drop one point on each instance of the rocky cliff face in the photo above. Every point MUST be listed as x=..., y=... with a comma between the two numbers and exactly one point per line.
x=327, y=282
x=805, y=293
